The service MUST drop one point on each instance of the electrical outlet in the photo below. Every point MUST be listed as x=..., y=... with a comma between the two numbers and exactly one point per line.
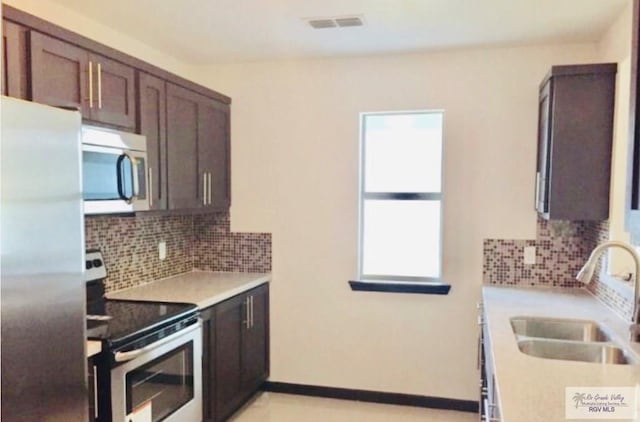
x=529, y=255
x=162, y=250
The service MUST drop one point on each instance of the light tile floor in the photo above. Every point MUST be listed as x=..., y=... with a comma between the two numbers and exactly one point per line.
x=273, y=407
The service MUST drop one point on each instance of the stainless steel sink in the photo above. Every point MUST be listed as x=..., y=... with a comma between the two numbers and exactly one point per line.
x=560, y=329
x=576, y=351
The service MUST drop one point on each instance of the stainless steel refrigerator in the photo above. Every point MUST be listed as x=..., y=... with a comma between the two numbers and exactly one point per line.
x=42, y=307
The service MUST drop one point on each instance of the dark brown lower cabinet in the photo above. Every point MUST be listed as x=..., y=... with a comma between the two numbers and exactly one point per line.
x=236, y=352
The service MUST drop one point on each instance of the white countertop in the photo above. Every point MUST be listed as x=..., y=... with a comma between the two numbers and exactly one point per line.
x=532, y=389
x=93, y=348
x=203, y=288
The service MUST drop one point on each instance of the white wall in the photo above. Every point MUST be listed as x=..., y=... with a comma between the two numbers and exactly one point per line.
x=295, y=173
x=616, y=47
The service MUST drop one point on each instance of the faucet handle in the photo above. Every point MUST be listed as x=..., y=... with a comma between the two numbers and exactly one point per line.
x=634, y=332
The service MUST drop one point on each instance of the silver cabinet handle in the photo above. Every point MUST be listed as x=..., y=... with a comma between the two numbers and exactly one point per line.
x=95, y=392
x=150, y=186
x=537, y=190
x=99, y=86
x=209, y=177
x=247, y=313
x=207, y=188
x=251, y=297
x=204, y=188
x=90, y=84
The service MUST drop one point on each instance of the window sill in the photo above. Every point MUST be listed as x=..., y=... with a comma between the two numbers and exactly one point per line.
x=389, y=286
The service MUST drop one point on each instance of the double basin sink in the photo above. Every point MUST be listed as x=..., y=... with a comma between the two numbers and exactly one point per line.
x=569, y=339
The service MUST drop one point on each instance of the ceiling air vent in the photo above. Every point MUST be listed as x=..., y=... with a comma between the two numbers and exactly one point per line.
x=335, y=22
x=322, y=23
x=349, y=21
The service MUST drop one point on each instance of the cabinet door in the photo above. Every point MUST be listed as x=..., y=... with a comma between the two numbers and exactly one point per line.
x=153, y=124
x=214, y=152
x=544, y=128
x=230, y=317
x=185, y=184
x=59, y=74
x=255, y=368
x=14, y=60
x=114, y=92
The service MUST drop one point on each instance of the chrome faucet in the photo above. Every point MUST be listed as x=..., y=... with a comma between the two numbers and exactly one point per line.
x=586, y=273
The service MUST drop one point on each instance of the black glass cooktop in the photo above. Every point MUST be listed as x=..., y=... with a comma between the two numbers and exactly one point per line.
x=119, y=322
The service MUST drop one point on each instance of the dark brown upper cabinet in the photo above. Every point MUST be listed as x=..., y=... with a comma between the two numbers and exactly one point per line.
x=152, y=123
x=214, y=153
x=186, y=124
x=185, y=183
x=575, y=132
x=14, y=60
x=114, y=85
x=197, y=149
x=63, y=75
x=632, y=218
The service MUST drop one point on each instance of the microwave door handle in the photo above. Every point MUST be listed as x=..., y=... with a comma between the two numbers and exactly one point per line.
x=120, y=172
x=134, y=178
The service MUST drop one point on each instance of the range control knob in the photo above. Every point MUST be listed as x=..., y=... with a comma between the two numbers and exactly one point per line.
x=97, y=263
x=88, y=265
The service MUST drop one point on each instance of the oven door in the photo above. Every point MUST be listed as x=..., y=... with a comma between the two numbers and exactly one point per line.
x=162, y=381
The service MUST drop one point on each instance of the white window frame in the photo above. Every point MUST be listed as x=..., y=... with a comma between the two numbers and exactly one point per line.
x=408, y=196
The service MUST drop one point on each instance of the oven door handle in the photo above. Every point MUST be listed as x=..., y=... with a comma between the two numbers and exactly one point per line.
x=132, y=354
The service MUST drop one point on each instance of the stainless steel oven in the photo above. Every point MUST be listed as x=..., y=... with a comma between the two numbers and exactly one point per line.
x=161, y=381
x=150, y=367
x=114, y=171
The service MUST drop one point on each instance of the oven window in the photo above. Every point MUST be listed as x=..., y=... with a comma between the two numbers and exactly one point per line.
x=100, y=176
x=163, y=385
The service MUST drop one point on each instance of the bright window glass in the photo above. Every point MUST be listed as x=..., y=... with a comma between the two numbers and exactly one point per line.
x=403, y=153
x=401, y=196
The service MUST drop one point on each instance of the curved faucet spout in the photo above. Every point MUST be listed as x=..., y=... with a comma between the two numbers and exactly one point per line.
x=589, y=268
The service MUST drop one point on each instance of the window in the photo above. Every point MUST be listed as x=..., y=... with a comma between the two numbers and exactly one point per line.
x=401, y=196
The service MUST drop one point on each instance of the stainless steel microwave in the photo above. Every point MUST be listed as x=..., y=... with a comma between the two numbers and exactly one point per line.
x=114, y=171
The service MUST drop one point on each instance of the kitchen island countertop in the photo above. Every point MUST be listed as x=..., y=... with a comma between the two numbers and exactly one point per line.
x=202, y=288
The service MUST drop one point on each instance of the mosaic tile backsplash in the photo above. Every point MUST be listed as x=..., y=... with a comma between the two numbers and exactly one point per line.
x=130, y=246
x=621, y=304
x=216, y=248
x=562, y=248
